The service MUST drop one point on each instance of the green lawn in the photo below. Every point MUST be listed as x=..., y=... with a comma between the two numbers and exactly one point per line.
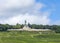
x=29, y=37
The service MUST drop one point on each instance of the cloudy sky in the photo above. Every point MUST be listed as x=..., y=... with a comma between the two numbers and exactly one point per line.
x=34, y=11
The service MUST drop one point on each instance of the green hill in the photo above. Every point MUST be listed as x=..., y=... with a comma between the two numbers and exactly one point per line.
x=29, y=37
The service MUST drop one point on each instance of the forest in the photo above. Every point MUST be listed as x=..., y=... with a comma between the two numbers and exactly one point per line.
x=4, y=27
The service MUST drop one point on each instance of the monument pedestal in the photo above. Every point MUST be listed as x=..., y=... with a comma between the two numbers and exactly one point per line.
x=26, y=28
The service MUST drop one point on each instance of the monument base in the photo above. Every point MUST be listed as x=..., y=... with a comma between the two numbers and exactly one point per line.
x=26, y=28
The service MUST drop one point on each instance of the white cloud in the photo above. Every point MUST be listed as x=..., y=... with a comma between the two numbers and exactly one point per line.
x=9, y=6
x=16, y=3
x=57, y=22
x=19, y=10
x=33, y=19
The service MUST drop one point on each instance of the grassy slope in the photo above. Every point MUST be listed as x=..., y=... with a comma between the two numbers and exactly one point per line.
x=28, y=37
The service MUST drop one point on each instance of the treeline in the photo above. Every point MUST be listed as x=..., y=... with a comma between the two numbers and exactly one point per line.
x=4, y=27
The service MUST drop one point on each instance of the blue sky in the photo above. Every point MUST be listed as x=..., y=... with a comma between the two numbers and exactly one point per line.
x=52, y=4
x=34, y=11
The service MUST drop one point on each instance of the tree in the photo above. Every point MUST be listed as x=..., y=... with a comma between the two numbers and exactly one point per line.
x=22, y=26
x=29, y=24
x=18, y=26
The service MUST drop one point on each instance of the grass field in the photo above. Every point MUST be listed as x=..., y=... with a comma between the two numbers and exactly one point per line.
x=29, y=37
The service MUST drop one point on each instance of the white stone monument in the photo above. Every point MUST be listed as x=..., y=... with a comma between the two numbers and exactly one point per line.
x=26, y=27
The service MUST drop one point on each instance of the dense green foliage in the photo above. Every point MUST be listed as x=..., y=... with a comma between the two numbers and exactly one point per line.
x=4, y=27
x=28, y=37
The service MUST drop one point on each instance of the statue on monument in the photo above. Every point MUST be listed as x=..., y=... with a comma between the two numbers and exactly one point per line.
x=25, y=22
x=26, y=27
